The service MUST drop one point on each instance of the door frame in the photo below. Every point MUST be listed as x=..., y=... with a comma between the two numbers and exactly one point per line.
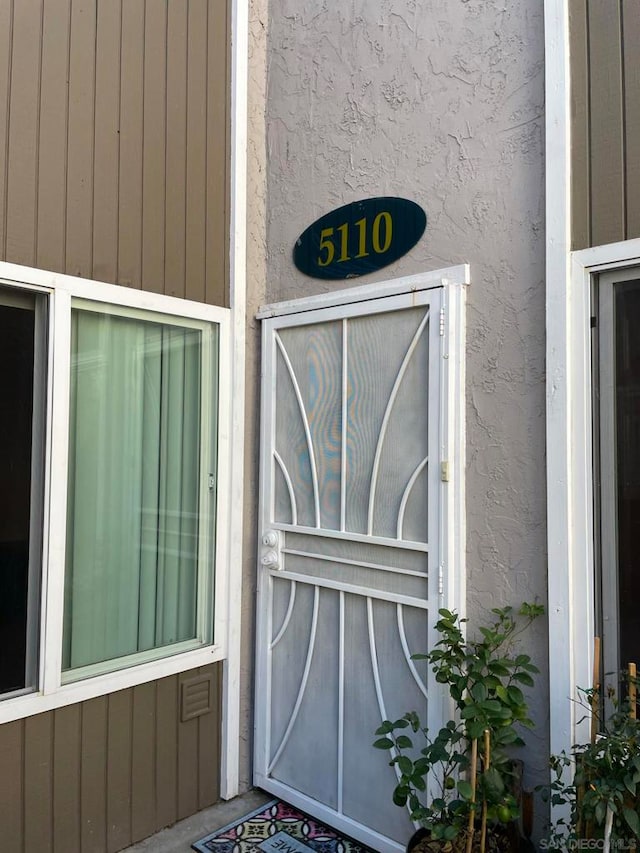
x=452, y=282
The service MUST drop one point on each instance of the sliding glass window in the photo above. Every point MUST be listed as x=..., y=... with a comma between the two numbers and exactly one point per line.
x=140, y=503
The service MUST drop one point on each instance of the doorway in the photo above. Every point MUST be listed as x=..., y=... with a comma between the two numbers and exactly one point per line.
x=355, y=527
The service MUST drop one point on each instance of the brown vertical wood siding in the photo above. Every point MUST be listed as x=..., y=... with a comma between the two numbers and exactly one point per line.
x=114, y=144
x=605, y=115
x=99, y=776
x=114, y=153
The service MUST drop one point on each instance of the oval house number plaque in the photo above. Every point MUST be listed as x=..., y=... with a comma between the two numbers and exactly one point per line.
x=359, y=238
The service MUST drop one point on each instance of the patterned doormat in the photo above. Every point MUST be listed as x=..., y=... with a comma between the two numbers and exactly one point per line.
x=277, y=828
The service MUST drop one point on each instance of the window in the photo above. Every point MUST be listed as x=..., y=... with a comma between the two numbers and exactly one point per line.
x=617, y=463
x=138, y=503
x=109, y=467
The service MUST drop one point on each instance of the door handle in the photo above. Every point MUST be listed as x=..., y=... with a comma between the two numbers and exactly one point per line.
x=271, y=539
x=270, y=560
x=272, y=550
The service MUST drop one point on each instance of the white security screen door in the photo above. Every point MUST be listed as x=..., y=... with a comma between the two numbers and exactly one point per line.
x=351, y=568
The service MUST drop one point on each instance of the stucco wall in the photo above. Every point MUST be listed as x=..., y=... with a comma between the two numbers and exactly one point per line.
x=440, y=102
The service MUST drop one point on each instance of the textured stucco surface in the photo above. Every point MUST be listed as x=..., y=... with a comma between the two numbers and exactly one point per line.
x=440, y=102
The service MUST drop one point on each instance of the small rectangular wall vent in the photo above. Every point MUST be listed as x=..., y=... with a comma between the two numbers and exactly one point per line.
x=196, y=696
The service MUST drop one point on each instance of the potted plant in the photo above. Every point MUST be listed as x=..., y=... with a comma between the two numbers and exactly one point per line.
x=460, y=783
x=598, y=782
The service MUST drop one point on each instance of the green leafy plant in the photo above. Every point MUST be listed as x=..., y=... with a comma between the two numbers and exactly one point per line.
x=464, y=774
x=598, y=782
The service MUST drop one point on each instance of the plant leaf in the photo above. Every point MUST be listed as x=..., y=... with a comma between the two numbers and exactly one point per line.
x=400, y=795
x=418, y=782
x=515, y=695
x=383, y=743
x=475, y=729
x=464, y=789
x=632, y=820
x=406, y=765
x=479, y=691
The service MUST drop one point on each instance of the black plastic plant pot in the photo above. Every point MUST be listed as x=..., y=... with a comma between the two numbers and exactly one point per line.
x=416, y=838
x=510, y=841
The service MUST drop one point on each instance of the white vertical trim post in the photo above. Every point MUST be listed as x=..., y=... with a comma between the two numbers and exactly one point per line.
x=557, y=146
x=570, y=603
x=230, y=769
x=453, y=542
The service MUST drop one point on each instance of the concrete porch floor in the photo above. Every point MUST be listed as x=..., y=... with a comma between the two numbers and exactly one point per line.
x=179, y=837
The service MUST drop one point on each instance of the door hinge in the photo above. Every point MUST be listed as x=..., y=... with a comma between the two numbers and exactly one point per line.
x=444, y=471
x=440, y=579
x=442, y=322
x=211, y=482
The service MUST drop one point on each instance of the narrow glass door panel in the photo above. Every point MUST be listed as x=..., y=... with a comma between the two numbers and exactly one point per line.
x=617, y=431
x=627, y=345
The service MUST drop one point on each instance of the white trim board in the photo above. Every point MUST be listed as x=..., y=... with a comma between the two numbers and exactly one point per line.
x=565, y=525
x=377, y=290
x=29, y=704
x=230, y=737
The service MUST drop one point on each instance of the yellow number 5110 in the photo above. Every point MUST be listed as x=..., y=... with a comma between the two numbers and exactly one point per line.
x=382, y=223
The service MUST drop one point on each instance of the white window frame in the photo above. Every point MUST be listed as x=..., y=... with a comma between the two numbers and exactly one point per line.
x=60, y=290
x=204, y=613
